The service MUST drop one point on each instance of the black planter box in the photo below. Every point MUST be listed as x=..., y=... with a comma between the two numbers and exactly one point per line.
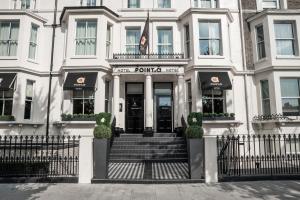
x=100, y=156
x=217, y=118
x=196, y=158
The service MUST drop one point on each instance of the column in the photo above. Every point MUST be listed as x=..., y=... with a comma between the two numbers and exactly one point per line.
x=85, y=159
x=181, y=95
x=148, y=103
x=116, y=96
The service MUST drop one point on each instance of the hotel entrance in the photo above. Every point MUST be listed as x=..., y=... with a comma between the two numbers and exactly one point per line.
x=163, y=100
x=134, y=107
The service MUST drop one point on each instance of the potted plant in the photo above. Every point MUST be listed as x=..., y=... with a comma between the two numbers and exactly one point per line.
x=195, y=146
x=101, y=146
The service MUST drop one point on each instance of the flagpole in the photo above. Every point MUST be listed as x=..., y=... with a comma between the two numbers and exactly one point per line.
x=148, y=35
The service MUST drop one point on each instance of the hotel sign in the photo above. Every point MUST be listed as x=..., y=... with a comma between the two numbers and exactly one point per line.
x=146, y=69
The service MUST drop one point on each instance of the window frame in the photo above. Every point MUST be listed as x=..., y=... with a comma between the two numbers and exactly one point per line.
x=83, y=99
x=107, y=101
x=215, y=98
x=187, y=40
x=211, y=39
x=91, y=3
x=263, y=100
x=27, y=99
x=129, y=5
x=261, y=53
x=86, y=21
x=189, y=96
x=213, y=4
x=108, y=41
x=33, y=43
x=135, y=45
x=266, y=1
x=158, y=4
x=9, y=40
x=293, y=38
x=290, y=97
x=5, y=99
x=25, y=4
x=169, y=45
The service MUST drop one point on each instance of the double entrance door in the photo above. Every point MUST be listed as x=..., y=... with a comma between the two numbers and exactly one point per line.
x=163, y=107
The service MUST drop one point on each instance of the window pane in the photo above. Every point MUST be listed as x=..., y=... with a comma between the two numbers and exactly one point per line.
x=207, y=105
x=285, y=47
x=289, y=87
x=77, y=93
x=214, y=47
x=89, y=94
x=89, y=106
x=1, y=106
x=8, y=107
x=206, y=93
x=204, y=47
x=218, y=105
x=205, y=3
x=218, y=93
x=266, y=107
x=203, y=30
x=4, y=37
x=78, y=106
x=27, y=113
x=265, y=89
x=164, y=3
x=29, y=89
x=133, y=3
x=290, y=106
x=260, y=33
x=132, y=40
x=284, y=30
x=8, y=94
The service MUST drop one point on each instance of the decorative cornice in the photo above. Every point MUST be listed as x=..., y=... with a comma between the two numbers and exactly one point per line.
x=207, y=11
x=274, y=12
x=23, y=12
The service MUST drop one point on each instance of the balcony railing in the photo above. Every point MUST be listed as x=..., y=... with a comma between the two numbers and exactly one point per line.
x=124, y=56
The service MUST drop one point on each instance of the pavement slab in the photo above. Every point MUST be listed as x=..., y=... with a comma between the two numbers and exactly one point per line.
x=267, y=190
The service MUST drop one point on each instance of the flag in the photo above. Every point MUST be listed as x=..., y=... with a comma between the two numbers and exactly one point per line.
x=144, y=40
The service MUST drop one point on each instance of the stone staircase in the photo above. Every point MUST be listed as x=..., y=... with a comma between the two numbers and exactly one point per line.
x=160, y=158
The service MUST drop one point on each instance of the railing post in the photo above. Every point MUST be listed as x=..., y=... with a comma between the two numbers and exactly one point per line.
x=85, y=159
x=210, y=159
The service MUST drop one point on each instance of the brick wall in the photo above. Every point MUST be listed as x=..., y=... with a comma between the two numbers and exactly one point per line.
x=293, y=4
x=250, y=4
x=248, y=42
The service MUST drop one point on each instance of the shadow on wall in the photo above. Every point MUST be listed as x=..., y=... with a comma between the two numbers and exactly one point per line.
x=264, y=189
x=39, y=111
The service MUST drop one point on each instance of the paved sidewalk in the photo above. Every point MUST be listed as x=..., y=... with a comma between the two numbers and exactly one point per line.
x=239, y=190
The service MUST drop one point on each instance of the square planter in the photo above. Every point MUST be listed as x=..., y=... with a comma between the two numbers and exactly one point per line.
x=195, y=149
x=100, y=156
x=217, y=118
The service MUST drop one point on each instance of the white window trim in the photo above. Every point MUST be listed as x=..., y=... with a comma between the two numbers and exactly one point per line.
x=259, y=42
x=86, y=38
x=35, y=43
x=293, y=39
x=212, y=3
x=32, y=100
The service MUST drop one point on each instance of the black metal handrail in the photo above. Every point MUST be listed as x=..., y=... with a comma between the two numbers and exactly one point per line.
x=124, y=56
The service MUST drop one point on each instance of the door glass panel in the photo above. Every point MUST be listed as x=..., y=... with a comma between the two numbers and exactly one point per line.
x=163, y=89
x=135, y=89
x=165, y=101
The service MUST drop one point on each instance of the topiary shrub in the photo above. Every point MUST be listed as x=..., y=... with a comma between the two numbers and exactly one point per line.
x=195, y=119
x=103, y=119
x=102, y=132
x=194, y=132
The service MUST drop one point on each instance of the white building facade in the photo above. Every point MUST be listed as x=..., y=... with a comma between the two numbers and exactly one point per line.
x=231, y=60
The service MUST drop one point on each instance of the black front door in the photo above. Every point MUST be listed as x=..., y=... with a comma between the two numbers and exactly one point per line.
x=164, y=113
x=134, y=113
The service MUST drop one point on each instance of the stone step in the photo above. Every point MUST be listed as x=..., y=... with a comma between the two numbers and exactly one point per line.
x=151, y=139
x=125, y=156
x=129, y=160
x=149, y=143
x=153, y=146
x=147, y=151
x=164, y=135
x=131, y=135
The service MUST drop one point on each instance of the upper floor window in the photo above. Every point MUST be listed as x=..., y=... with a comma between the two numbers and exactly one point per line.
x=91, y=3
x=33, y=42
x=86, y=32
x=165, y=40
x=260, y=40
x=206, y=3
x=285, y=38
x=108, y=40
x=290, y=96
x=132, y=40
x=133, y=3
x=270, y=4
x=265, y=97
x=187, y=40
x=9, y=31
x=164, y=3
x=25, y=4
x=210, y=38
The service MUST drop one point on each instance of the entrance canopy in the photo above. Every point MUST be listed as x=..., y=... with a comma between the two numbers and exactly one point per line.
x=81, y=81
x=214, y=81
x=7, y=81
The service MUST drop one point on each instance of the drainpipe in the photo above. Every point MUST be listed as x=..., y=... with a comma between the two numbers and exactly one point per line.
x=54, y=25
x=241, y=17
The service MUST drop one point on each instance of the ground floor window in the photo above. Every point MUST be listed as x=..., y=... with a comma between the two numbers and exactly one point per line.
x=213, y=101
x=290, y=96
x=28, y=99
x=83, y=101
x=6, y=102
x=265, y=97
x=107, y=103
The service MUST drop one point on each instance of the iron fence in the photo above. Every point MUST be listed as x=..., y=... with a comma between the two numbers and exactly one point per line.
x=39, y=156
x=258, y=155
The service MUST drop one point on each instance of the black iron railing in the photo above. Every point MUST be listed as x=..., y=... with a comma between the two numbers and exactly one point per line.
x=124, y=56
x=39, y=156
x=258, y=155
x=271, y=117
